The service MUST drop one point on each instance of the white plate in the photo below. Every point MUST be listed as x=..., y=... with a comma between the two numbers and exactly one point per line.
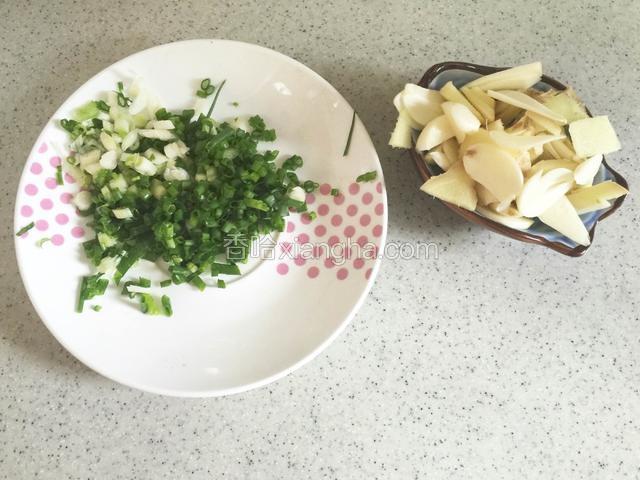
x=266, y=323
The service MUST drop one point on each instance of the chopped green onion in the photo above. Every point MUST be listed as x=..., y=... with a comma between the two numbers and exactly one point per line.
x=42, y=241
x=257, y=204
x=235, y=104
x=312, y=215
x=335, y=192
x=25, y=229
x=90, y=286
x=221, y=283
x=310, y=186
x=206, y=89
x=126, y=262
x=166, y=304
x=123, y=100
x=197, y=282
x=297, y=205
x=125, y=289
x=59, y=180
x=367, y=177
x=102, y=106
x=215, y=99
x=292, y=163
x=148, y=305
x=224, y=269
x=86, y=112
x=346, y=148
x=68, y=125
x=141, y=283
x=180, y=196
x=96, y=308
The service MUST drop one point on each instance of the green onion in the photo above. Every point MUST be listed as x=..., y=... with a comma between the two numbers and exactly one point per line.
x=257, y=204
x=312, y=215
x=42, y=241
x=141, y=282
x=148, y=305
x=86, y=112
x=68, y=125
x=215, y=99
x=74, y=128
x=90, y=286
x=346, y=148
x=166, y=304
x=292, y=163
x=297, y=205
x=335, y=192
x=25, y=229
x=235, y=104
x=126, y=262
x=96, y=308
x=221, y=283
x=224, y=269
x=310, y=186
x=206, y=89
x=197, y=282
x=222, y=190
x=367, y=177
x=123, y=100
x=59, y=180
x=102, y=106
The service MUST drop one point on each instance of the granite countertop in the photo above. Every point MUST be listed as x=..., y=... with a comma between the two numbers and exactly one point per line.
x=495, y=360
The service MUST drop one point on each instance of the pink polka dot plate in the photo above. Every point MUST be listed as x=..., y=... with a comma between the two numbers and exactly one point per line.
x=300, y=288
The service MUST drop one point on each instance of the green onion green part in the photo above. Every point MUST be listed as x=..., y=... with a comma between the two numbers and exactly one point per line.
x=367, y=177
x=224, y=269
x=102, y=106
x=25, y=229
x=148, y=305
x=206, y=89
x=215, y=99
x=123, y=100
x=166, y=304
x=165, y=283
x=197, y=282
x=59, y=180
x=346, y=147
x=221, y=283
x=90, y=286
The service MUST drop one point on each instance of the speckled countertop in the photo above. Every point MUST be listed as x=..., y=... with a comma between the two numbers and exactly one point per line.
x=497, y=360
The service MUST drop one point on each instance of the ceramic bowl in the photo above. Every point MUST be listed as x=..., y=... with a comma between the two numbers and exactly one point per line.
x=461, y=73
